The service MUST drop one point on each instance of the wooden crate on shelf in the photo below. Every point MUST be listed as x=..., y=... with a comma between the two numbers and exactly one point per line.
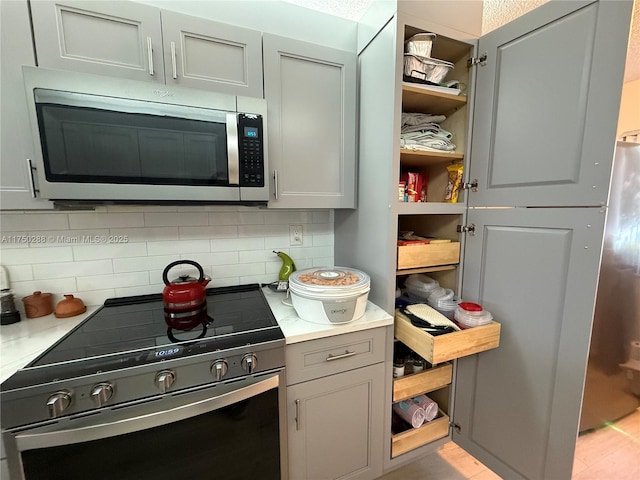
x=442, y=348
x=431, y=254
x=422, y=382
x=413, y=438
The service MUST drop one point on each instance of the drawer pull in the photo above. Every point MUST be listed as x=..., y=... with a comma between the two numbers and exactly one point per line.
x=346, y=354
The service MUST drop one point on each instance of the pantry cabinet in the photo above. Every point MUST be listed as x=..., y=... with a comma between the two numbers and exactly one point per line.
x=527, y=140
x=335, y=389
x=311, y=98
x=141, y=42
x=16, y=146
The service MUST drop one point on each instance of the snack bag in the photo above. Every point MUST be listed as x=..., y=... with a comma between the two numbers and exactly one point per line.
x=455, y=179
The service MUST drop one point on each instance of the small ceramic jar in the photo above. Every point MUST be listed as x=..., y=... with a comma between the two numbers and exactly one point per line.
x=38, y=305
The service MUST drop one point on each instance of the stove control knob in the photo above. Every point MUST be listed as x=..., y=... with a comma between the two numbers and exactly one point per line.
x=249, y=363
x=165, y=379
x=58, y=402
x=101, y=393
x=219, y=369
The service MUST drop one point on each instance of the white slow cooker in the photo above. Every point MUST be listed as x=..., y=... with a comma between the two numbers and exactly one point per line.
x=329, y=295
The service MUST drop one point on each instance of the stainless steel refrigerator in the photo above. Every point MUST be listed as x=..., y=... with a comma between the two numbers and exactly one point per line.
x=612, y=388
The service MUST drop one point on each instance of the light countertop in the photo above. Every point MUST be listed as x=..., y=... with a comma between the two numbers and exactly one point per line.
x=22, y=342
x=297, y=330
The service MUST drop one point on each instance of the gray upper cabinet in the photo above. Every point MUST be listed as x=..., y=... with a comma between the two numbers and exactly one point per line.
x=311, y=99
x=207, y=55
x=16, y=145
x=141, y=42
x=546, y=99
x=119, y=39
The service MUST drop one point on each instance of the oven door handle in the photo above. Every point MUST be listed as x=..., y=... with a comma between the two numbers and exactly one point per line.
x=45, y=439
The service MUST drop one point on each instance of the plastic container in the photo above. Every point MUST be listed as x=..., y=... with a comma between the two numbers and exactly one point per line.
x=470, y=314
x=329, y=295
x=419, y=287
x=426, y=69
x=438, y=294
x=447, y=307
x=420, y=44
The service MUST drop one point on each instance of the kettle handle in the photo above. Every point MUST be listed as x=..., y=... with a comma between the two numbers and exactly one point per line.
x=165, y=278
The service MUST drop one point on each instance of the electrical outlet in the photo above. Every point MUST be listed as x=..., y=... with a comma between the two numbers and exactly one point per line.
x=295, y=234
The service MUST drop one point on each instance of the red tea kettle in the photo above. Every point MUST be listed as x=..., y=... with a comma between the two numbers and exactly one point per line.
x=184, y=292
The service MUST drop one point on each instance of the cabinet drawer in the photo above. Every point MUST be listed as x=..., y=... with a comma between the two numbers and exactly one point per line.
x=414, y=256
x=422, y=382
x=441, y=348
x=416, y=437
x=338, y=353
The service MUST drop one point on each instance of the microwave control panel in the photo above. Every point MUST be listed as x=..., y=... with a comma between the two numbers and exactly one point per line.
x=251, y=148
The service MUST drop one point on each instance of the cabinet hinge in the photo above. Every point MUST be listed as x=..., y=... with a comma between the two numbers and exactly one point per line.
x=455, y=426
x=473, y=186
x=473, y=61
x=470, y=229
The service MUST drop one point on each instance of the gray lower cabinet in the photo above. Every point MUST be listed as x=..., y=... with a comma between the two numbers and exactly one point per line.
x=311, y=96
x=335, y=403
x=142, y=42
x=16, y=146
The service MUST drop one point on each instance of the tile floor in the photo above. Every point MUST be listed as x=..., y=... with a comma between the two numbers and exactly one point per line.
x=611, y=452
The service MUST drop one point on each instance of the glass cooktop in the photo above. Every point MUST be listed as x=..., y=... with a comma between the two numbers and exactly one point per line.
x=131, y=331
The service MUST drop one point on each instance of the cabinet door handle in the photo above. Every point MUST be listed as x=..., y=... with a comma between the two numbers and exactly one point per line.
x=32, y=183
x=150, y=55
x=297, y=414
x=275, y=184
x=174, y=64
x=346, y=354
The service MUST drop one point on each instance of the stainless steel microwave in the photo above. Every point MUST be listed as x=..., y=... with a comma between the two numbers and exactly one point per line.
x=110, y=140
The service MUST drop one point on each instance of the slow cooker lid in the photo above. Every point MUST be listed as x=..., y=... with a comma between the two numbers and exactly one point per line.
x=329, y=280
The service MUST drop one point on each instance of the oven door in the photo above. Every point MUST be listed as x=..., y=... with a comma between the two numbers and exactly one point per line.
x=233, y=430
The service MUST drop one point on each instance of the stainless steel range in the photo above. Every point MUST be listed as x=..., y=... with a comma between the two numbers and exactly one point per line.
x=153, y=395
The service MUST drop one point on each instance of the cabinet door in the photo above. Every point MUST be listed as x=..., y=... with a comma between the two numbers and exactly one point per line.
x=311, y=99
x=119, y=39
x=16, y=145
x=207, y=55
x=546, y=105
x=335, y=427
x=535, y=270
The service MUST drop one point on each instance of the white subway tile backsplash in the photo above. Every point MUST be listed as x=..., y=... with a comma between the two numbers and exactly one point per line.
x=19, y=221
x=142, y=264
x=33, y=255
x=160, y=219
x=177, y=247
x=237, y=244
x=275, y=217
x=116, y=280
x=218, y=231
x=236, y=218
x=119, y=250
x=57, y=286
x=72, y=269
x=104, y=220
x=146, y=234
x=19, y=273
x=233, y=244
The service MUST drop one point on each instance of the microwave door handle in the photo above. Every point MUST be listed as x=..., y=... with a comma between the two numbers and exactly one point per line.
x=233, y=154
x=174, y=64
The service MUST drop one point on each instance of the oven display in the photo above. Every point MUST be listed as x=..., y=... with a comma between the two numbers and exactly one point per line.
x=250, y=132
x=165, y=353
